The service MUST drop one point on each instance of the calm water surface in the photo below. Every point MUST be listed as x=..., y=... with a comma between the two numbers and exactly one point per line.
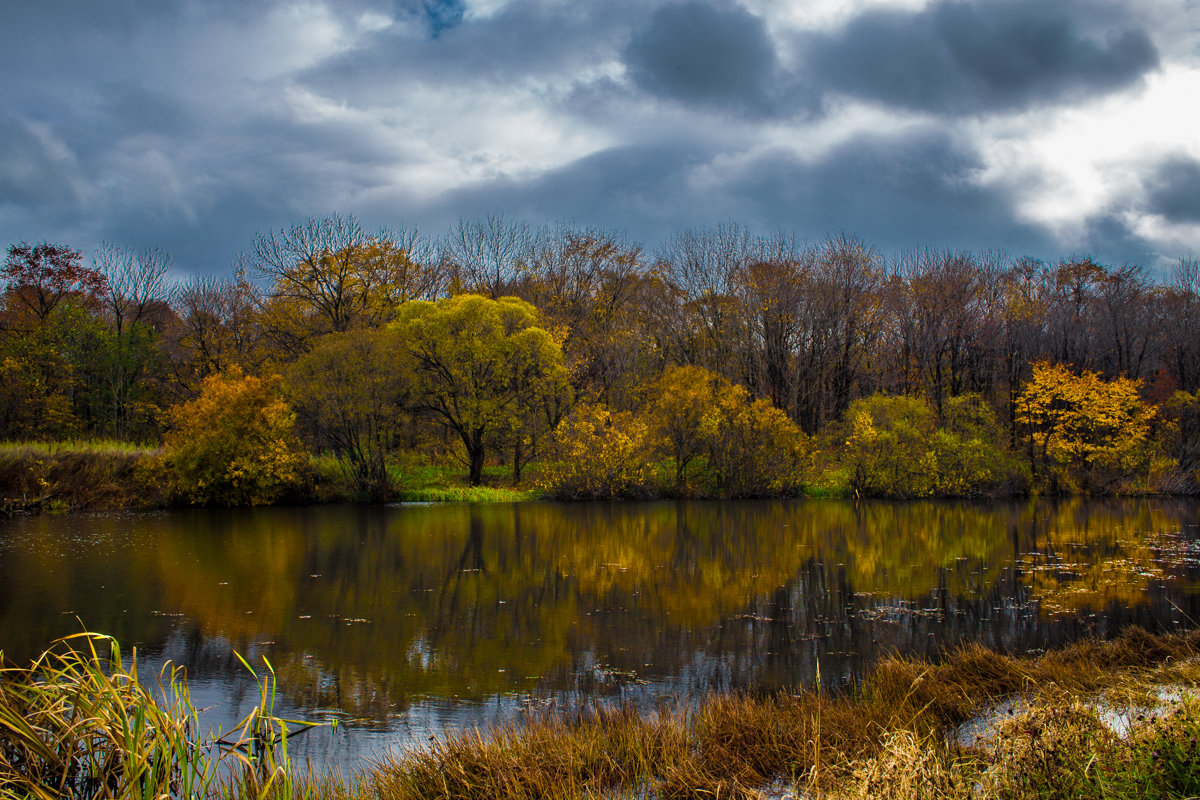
x=404, y=621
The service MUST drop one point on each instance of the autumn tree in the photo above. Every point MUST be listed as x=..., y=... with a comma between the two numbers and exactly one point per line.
x=681, y=398
x=136, y=306
x=216, y=328
x=234, y=444
x=746, y=447
x=753, y=448
x=488, y=257
x=1080, y=430
x=352, y=391
x=1181, y=317
x=485, y=369
x=592, y=286
x=38, y=277
x=899, y=446
x=328, y=275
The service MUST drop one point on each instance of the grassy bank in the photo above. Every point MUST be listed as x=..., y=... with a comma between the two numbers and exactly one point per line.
x=73, y=475
x=1117, y=719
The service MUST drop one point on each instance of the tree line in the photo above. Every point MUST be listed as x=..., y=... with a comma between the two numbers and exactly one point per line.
x=482, y=344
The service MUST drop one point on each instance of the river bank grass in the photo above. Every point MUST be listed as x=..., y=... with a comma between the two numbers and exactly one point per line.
x=69, y=475
x=1111, y=720
x=894, y=736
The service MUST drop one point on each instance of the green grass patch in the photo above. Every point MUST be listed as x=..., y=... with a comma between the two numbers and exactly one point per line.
x=466, y=494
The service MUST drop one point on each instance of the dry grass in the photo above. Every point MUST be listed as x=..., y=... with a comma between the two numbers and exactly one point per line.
x=891, y=737
x=67, y=476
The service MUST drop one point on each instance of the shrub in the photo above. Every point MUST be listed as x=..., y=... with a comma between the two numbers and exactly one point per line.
x=895, y=446
x=747, y=447
x=599, y=454
x=233, y=445
x=753, y=448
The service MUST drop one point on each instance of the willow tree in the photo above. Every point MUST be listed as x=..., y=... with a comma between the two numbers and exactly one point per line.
x=485, y=369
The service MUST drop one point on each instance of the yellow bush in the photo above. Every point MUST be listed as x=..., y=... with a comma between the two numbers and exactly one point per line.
x=233, y=445
x=600, y=454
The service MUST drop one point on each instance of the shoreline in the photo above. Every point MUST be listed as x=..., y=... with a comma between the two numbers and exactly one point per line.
x=66, y=477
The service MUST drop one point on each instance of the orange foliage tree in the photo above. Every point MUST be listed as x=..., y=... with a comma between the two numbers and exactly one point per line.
x=233, y=445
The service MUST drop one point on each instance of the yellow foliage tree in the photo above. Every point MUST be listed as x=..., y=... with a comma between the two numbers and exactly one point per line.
x=682, y=396
x=233, y=445
x=600, y=454
x=486, y=369
x=754, y=449
x=1081, y=431
x=748, y=447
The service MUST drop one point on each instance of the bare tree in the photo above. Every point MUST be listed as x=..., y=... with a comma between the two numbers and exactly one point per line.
x=137, y=280
x=328, y=275
x=488, y=257
x=217, y=328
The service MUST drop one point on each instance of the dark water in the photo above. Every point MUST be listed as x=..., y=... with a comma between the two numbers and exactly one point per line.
x=402, y=621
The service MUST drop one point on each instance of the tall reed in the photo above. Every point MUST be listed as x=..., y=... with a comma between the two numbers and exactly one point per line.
x=77, y=723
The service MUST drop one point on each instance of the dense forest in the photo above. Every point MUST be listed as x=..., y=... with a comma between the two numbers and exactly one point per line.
x=722, y=363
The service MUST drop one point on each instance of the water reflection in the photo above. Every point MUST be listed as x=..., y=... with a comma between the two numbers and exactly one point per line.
x=384, y=613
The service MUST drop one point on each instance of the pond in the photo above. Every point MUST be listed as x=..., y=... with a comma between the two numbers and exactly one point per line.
x=404, y=621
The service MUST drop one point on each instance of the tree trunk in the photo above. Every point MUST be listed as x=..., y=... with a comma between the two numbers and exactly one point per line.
x=475, y=451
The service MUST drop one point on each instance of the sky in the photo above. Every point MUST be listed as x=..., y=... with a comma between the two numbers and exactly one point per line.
x=1046, y=128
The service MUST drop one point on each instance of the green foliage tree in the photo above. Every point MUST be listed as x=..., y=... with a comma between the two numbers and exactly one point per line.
x=353, y=389
x=484, y=368
x=896, y=446
x=600, y=454
x=1081, y=431
x=49, y=374
x=233, y=445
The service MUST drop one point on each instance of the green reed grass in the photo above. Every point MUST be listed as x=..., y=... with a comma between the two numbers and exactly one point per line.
x=77, y=723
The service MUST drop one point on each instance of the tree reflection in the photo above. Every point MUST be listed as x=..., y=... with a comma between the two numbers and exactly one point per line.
x=370, y=609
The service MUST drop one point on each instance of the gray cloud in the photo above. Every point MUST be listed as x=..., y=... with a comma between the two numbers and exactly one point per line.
x=698, y=54
x=443, y=14
x=1174, y=190
x=970, y=57
x=154, y=124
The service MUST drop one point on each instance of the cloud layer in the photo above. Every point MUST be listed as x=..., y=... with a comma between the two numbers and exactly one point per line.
x=958, y=123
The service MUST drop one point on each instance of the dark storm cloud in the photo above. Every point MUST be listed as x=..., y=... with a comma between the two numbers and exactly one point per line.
x=895, y=191
x=963, y=58
x=639, y=189
x=1174, y=190
x=31, y=173
x=700, y=55
x=443, y=14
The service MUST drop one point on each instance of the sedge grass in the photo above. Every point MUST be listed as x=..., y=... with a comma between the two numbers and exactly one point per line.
x=891, y=736
x=78, y=724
